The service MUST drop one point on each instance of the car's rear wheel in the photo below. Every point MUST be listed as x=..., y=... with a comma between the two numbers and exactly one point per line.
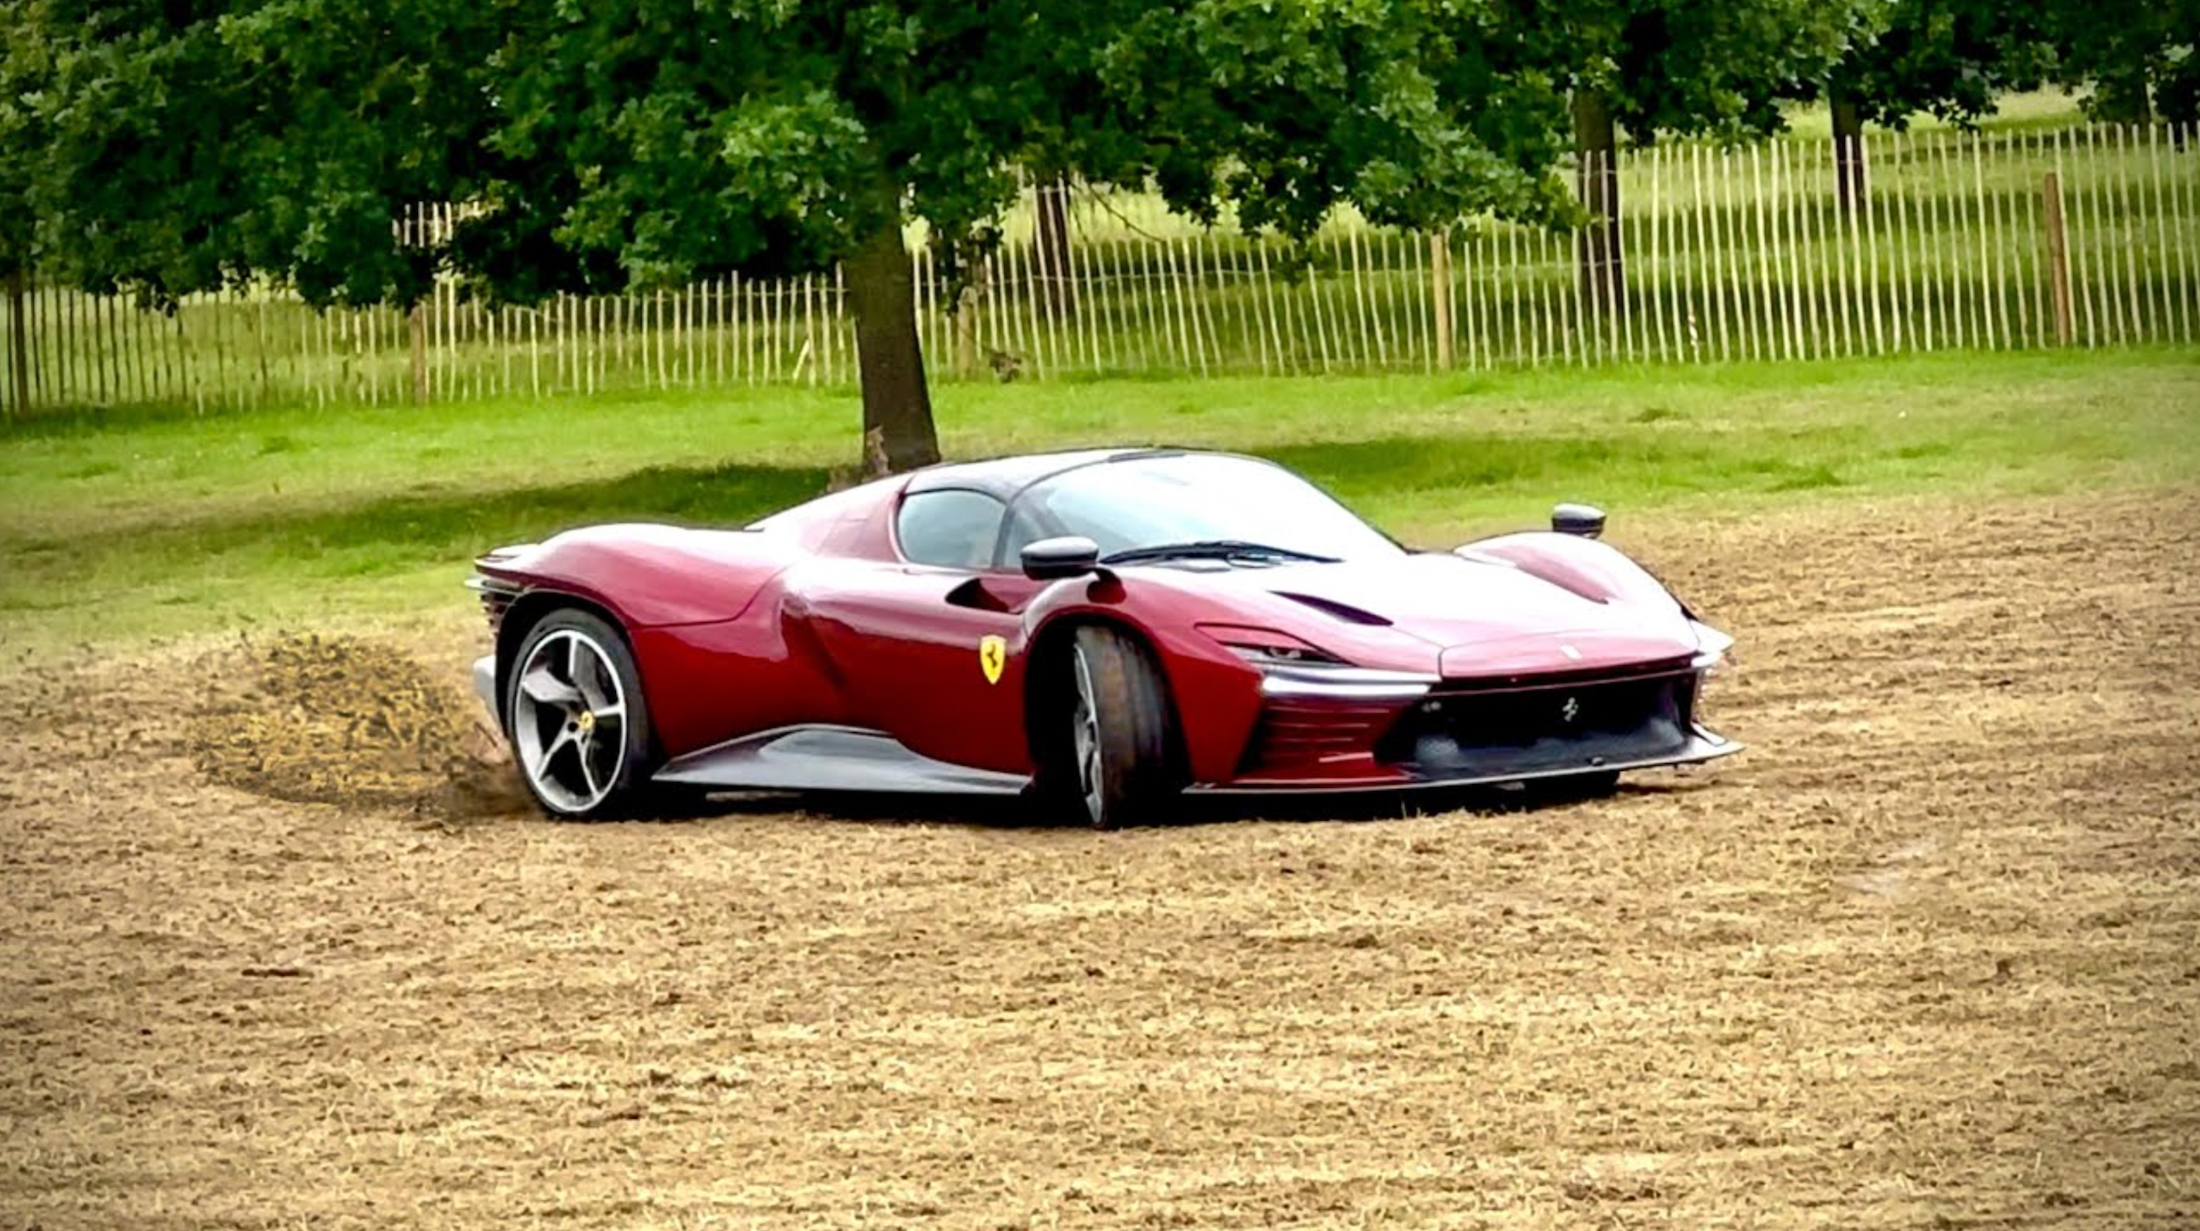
x=574, y=713
x=1123, y=767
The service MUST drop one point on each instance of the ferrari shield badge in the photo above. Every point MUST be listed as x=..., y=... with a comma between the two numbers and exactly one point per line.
x=992, y=657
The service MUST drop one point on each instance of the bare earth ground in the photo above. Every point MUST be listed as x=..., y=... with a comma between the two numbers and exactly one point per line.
x=1927, y=956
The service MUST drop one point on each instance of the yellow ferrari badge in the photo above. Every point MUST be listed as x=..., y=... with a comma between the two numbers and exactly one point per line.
x=992, y=657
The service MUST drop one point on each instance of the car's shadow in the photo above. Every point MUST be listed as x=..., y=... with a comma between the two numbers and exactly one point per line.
x=1013, y=812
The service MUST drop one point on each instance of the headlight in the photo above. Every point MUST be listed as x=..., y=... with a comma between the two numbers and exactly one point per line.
x=1290, y=667
x=1266, y=656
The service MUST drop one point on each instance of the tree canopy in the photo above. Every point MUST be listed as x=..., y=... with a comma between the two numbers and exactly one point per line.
x=1949, y=58
x=187, y=144
x=171, y=146
x=2141, y=57
x=1687, y=67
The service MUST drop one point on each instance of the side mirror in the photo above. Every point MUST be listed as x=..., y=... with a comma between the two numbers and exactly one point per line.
x=1069, y=556
x=1586, y=520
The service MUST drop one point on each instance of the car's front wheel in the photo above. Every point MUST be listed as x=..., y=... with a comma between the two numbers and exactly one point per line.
x=1123, y=740
x=576, y=719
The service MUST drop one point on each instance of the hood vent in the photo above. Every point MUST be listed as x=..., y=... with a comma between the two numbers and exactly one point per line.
x=1331, y=607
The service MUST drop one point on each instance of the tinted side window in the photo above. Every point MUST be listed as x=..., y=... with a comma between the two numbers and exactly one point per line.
x=1024, y=529
x=955, y=529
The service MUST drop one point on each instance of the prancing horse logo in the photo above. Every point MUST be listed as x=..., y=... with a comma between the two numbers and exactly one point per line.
x=992, y=657
x=1570, y=710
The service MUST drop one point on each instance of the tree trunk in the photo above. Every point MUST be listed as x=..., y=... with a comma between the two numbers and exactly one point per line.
x=18, y=345
x=966, y=329
x=1848, y=154
x=1603, y=268
x=1050, y=243
x=897, y=408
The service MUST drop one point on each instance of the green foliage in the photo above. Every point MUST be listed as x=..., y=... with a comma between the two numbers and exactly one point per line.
x=186, y=146
x=648, y=143
x=1416, y=112
x=1690, y=67
x=176, y=147
x=26, y=69
x=674, y=143
x=2128, y=50
x=1950, y=58
x=172, y=146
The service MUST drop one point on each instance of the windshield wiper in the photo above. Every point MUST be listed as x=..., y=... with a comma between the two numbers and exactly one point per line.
x=1215, y=549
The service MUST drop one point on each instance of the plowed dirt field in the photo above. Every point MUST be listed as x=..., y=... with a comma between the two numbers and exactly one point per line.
x=278, y=949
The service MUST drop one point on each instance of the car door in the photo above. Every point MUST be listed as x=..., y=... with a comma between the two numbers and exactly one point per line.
x=930, y=648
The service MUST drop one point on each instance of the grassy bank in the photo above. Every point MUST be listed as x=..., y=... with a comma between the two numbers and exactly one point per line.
x=122, y=528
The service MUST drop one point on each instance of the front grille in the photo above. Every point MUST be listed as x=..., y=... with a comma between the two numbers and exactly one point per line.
x=1543, y=724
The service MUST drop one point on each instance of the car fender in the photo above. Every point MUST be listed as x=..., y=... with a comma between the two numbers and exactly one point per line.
x=1592, y=569
x=1599, y=571
x=650, y=575
x=1215, y=693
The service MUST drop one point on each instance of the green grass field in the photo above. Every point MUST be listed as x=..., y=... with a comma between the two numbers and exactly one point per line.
x=120, y=528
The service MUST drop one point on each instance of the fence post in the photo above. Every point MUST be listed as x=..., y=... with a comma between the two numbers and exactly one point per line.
x=2058, y=254
x=419, y=354
x=1439, y=272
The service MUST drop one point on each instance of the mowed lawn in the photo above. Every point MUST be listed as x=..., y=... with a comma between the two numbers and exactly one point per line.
x=128, y=526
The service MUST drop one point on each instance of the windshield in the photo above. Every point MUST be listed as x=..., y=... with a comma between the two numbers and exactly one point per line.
x=1182, y=498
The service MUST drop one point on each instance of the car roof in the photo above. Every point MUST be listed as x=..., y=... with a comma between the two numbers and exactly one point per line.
x=1004, y=477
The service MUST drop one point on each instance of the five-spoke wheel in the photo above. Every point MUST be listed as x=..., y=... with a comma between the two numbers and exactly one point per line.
x=575, y=715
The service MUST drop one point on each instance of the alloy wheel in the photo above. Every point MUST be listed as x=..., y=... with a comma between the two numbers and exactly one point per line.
x=1086, y=733
x=569, y=721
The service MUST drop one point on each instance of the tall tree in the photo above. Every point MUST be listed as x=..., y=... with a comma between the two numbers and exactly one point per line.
x=1646, y=68
x=200, y=143
x=655, y=141
x=674, y=139
x=1949, y=58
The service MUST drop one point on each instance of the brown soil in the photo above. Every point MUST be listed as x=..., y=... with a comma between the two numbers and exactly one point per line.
x=277, y=950
x=346, y=720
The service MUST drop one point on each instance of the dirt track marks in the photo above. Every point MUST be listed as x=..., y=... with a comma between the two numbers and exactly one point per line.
x=1925, y=956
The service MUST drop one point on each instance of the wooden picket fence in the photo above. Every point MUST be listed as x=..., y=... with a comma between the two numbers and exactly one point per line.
x=2084, y=237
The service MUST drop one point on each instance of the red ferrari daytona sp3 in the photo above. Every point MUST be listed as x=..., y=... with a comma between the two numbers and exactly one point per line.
x=1102, y=629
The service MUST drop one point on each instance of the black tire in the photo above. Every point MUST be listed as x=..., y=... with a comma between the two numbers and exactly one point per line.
x=610, y=778
x=1130, y=771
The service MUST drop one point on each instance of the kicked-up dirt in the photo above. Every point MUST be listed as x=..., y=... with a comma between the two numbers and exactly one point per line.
x=350, y=721
x=279, y=948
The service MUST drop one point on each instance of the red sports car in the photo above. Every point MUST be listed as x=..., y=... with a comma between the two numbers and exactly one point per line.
x=1103, y=630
